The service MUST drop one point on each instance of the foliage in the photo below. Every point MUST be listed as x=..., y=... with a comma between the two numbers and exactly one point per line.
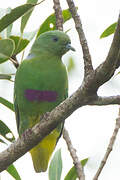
x=7, y=103
x=55, y=168
x=13, y=172
x=49, y=23
x=72, y=174
x=109, y=30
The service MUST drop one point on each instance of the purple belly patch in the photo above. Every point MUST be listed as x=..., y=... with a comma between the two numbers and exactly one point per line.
x=37, y=95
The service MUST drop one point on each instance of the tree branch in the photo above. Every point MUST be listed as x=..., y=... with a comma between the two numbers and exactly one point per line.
x=100, y=101
x=106, y=70
x=32, y=137
x=118, y=60
x=58, y=14
x=88, y=68
x=109, y=148
x=73, y=154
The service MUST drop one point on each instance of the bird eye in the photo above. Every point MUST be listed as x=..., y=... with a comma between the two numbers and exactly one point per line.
x=55, y=39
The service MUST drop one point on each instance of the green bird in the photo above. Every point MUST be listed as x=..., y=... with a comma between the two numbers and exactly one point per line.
x=41, y=84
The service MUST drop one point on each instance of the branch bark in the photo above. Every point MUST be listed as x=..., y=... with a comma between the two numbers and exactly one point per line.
x=100, y=101
x=106, y=70
x=88, y=68
x=33, y=136
x=58, y=14
x=73, y=154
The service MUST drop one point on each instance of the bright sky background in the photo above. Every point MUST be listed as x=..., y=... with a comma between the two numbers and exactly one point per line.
x=90, y=128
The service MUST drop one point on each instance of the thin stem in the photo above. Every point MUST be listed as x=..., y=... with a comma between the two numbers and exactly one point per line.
x=73, y=154
x=88, y=68
x=58, y=14
x=101, y=101
x=14, y=60
x=109, y=148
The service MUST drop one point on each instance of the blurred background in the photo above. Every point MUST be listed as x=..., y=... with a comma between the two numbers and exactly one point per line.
x=90, y=127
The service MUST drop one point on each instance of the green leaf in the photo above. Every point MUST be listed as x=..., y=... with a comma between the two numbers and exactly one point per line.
x=1, y=141
x=55, y=168
x=5, y=76
x=20, y=44
x=13, y=172
x=72, y=174
x=9, y=28
x=26, y=17
x=6, y=132
x=7, y=47
x=15, y=13
x=50, y=22
x=110, y=30
x=84, y=162
x=7, y=103
x=6, y=32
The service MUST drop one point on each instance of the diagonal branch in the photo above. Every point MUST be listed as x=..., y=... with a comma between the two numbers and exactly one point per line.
x=88, y=68
x=73, y=154
x=109, y=148
x=33, y=136
x=106, y=70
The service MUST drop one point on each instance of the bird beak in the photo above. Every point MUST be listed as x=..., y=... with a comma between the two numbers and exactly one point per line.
x=69, y=47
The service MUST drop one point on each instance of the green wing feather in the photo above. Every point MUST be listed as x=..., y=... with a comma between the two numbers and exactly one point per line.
x=17, y=114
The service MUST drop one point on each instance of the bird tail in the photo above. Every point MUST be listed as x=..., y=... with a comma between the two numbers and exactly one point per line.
x=43, y=151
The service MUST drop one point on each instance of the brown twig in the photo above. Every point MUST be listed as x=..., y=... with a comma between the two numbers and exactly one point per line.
x=109, y=148
x=102, y=101
x=73, y=154
x=88, y=68
x=14, y=61
x=58, y=14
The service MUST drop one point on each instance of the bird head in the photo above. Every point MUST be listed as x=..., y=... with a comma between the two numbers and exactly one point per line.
x=54, y=42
